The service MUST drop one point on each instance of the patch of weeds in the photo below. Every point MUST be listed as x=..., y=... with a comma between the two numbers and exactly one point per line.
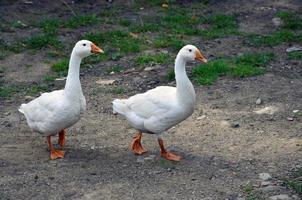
x=61, y=67
x=81, y=20
x=7, y=91
x=49, y=26
x=153, y=59
x=121, y=40
x=290, y=20
x=220, y=25
x=295, y=55
x=94, y=59
x=180, y=23
x=115, y=69
x=35, y=89
x=42, y=40
x=146, y=27
x=251, y=194
x=273, y=39
x=169, y=41
x=49, y=78
x=124, y=22
x=242, y=66
x=170, y=75
x=117, y=90
x=295, y=182
x=208, y=73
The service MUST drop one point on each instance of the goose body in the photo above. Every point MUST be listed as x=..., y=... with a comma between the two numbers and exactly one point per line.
x=53, y=112
x=161, y=108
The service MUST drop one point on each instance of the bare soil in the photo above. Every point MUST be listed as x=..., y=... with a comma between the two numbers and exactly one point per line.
x=225, y=144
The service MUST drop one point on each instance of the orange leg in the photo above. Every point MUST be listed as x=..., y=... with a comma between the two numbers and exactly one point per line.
x=136, y=145
x=166, y=154
x=62, y=139
x=54, y=154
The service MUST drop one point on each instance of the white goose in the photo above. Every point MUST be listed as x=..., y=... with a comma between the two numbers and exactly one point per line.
x=158, y=109
x=53, y=112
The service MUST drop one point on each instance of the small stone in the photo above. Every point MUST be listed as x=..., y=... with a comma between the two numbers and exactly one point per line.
x=151, y=68
x=112, y=72
x=291, y=49
x=295, y=111
x=277, y=21
x=235, y=125
x=290, y=119
x=140, y=160
x=61, y=79
x=265, y=176
x=150, y=157
x=201, y=117
x=105, y=82
x=265, y=183
x=258, y=101
x=280, y=197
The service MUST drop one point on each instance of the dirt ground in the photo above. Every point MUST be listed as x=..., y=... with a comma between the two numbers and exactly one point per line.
x=225, y=144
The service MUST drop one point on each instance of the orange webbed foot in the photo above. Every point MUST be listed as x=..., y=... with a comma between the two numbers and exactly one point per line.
x=170, y=156
x=136, y=145
x=54, y=154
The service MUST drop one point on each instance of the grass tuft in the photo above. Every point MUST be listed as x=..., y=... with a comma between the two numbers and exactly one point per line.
x=290, y=20
x=242, y=66
x=168, y=41
x=295, y=55
x=153, y=59
x=61, y=67
x=81, y=20
x=42, y=40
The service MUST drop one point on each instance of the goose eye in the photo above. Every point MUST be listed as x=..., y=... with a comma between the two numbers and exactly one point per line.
x=190, y=50
x=84, y=44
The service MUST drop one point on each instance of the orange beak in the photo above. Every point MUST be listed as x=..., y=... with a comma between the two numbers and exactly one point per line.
x=96, y=49
x=200, y=57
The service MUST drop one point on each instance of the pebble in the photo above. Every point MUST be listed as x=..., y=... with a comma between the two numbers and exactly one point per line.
x=201, y=117
x=296, y=111
x=105, y=82
x=151, y=68
x=280, y=197
x=270, y=188
x=258, y=101
x=265, y=183
x=150, y=157
x=291, y=49
x=235, y=125
x=265, y=176
x=277, y=21
x=61, y=79
x=290, y=119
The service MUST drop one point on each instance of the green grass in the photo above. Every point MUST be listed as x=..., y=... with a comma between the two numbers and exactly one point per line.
x=170, y=75
x=146, y=27
x=49, y=26
x=289, y=32
x=173, y=43
x=7, y=91
x=61, y=67
x=273, y=39
x=153, y=59
x=241, y=66
x=220, y=25
x=49, y=78
x=117, y=90
x=295, y=182
x=295, y=55
x=82, y=20
x=42, y=41
x=291, y=21
x=35, y=89
x=118, y=39
x=115, y=69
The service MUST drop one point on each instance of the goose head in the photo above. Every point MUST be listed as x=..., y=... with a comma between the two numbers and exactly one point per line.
x=190, y=53
x=84, y=48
